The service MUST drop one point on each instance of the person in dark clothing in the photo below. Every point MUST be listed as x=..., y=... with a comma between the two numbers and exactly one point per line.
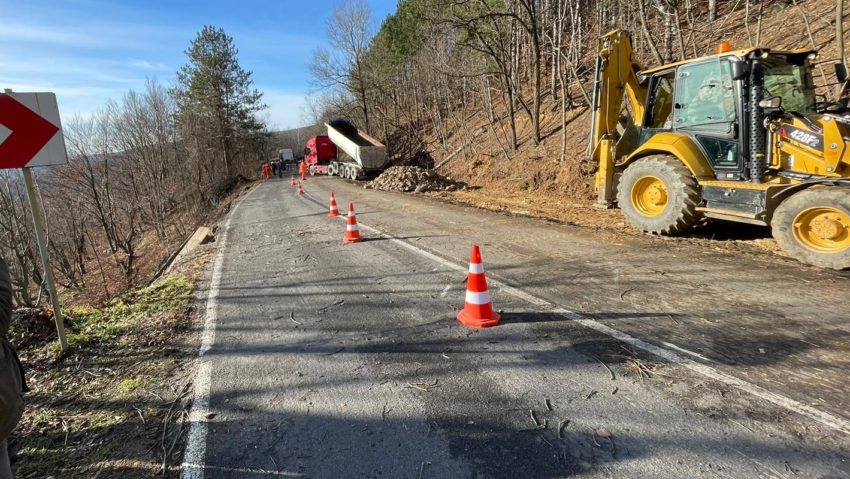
x=12, y=384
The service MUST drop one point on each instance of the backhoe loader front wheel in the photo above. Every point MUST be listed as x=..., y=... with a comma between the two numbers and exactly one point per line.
x=659, y=195
x=813, y=226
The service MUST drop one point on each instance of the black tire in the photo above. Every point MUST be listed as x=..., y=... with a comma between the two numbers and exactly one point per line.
x=789, y=225
x=683, y=195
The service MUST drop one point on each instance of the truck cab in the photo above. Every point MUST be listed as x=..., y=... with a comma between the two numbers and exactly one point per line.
x=318, y=154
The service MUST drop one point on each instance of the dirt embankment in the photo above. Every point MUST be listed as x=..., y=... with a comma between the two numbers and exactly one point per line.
x=116, y=404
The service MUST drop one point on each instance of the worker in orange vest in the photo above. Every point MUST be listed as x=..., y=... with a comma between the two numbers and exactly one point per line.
x=303, y=169
x=267, y=170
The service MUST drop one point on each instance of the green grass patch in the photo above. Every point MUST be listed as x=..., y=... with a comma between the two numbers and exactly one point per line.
x=127, y=386
x=38, y=460
x=128, y=313
x=44, y=416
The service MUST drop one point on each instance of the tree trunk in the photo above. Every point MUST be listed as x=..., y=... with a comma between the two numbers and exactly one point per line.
x=839, y=40
x=645, y=30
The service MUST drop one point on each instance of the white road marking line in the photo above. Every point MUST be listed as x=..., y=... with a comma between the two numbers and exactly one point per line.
x=686, y=351
x=196, y=441
x=243, y=470
x=829, y=420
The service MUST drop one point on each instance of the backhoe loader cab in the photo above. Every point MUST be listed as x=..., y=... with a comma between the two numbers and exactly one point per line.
x=738, y=136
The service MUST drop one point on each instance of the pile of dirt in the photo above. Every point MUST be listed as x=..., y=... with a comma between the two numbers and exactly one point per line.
x=413, y=178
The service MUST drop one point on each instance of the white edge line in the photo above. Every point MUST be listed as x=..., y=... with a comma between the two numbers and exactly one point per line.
x=829, y=420
x=196, y=441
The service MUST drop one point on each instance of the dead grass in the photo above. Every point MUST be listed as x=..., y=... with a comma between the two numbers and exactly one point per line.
x=100, y=408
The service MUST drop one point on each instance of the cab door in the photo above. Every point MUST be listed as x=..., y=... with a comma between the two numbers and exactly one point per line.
x=658, y=116
x=706, y=108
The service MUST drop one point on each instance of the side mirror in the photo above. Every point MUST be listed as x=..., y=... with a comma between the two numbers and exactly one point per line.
x=841, y=72
x=773, y=102
x=740, y=70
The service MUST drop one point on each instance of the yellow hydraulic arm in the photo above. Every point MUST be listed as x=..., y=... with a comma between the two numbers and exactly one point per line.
x=616, y=78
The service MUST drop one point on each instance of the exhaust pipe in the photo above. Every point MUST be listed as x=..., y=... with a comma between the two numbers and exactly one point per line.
x=758, y=161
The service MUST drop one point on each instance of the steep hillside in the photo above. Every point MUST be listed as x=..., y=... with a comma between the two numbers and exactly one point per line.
x=535, y=180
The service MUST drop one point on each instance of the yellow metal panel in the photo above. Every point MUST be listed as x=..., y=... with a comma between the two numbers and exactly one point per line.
x=831, y=159
x=833, y=145
x=743, y=185
x=679, y=145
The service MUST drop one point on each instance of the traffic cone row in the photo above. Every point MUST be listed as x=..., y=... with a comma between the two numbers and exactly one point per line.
x=477, y=309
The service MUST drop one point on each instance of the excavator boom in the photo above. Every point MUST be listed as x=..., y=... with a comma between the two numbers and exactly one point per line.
x=616, y=79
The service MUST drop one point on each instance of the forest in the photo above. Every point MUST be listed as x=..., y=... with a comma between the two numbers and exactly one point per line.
x=487, y=89
x=143, y=172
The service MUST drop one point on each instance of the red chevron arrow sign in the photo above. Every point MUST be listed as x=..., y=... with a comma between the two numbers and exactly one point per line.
x=30, y=130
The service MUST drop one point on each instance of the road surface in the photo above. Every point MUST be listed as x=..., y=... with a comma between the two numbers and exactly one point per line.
x=616, y=357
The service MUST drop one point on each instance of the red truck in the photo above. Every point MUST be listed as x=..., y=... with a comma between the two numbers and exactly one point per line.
x=318, y=154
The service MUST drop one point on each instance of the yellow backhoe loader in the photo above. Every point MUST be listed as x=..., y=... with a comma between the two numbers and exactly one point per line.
x=738, y=136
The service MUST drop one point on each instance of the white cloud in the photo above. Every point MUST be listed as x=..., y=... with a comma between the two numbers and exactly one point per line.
x=146, y=65
x=18, y=32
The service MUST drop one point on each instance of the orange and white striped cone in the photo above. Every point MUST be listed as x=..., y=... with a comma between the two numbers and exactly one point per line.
x=300, y=189
x=334, y=209
x=292, y=180
x=352, y=232
x=478, y=308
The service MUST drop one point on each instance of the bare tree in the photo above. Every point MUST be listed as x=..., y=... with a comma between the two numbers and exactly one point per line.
x=343, y=65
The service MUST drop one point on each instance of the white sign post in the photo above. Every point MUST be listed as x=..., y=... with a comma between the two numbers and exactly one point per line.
x=34, y=138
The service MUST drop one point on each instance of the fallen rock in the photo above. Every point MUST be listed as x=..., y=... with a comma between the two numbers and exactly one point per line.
x=413, y=178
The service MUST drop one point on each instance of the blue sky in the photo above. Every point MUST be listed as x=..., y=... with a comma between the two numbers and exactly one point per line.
x=88, y=51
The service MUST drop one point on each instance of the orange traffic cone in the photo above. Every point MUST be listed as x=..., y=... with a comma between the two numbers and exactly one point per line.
x=352, y=232
x=292, y=180
x=300, y=189
x=334, y=209
x=477, y=309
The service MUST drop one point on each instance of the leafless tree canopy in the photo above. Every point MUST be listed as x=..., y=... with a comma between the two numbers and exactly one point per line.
x=143, y=172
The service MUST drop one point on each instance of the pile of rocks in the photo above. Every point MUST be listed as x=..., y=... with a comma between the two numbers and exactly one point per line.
x=413, y=178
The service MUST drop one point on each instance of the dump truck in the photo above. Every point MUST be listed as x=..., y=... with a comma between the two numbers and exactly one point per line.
x=739, y=135
x=359, y=155
x=285, y=156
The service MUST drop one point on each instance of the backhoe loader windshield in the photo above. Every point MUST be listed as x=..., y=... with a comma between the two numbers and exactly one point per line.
x=789, y=77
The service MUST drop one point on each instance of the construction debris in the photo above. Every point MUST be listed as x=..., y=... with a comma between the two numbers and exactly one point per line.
x=413, y=178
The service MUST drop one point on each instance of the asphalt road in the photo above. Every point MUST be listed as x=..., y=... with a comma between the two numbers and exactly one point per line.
x=337, y=361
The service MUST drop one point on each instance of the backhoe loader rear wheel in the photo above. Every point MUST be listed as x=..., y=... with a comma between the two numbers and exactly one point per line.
x=659, y=195
x=813, y=226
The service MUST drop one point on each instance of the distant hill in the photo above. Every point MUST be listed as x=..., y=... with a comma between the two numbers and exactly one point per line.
x=296, y=138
